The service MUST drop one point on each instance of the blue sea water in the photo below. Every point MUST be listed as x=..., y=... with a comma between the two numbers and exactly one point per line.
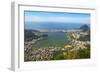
x=52, y=25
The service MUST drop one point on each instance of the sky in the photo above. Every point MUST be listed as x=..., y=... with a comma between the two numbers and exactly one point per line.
x=62, y=17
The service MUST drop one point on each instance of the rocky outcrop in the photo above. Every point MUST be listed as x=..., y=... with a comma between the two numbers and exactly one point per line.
x=85, y=28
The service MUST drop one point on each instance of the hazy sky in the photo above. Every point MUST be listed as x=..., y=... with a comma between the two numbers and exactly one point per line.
x=33, y=16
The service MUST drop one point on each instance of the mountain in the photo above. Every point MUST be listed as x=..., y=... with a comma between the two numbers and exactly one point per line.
x=29, y=34
x=84, y=28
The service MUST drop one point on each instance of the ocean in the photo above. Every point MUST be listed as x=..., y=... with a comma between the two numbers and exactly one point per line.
x=52, y=25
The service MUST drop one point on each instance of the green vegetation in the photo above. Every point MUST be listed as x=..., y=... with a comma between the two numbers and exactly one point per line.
x=78, y=54
x=58, y=56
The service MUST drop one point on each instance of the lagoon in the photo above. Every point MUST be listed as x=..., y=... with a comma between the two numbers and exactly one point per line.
x=54, y=39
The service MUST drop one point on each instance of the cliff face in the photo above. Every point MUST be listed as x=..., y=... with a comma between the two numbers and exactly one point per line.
x=85, y=28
